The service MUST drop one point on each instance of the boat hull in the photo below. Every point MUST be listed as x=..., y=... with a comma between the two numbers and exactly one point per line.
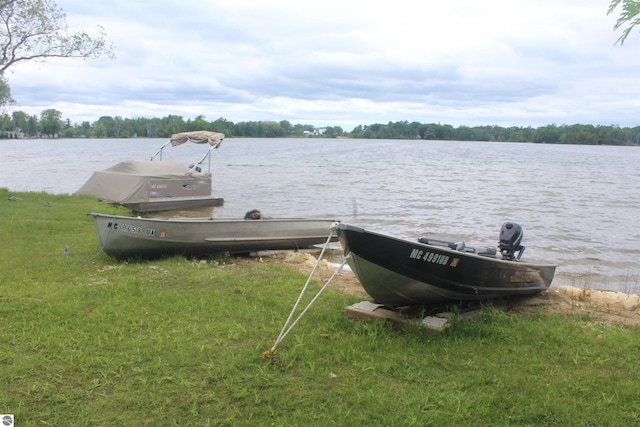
x=125, y=237
x=398, y=272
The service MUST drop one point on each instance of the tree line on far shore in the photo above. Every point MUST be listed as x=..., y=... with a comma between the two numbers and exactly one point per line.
x=51, y=125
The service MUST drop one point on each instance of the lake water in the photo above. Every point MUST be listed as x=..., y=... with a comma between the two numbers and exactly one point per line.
x=579, y=205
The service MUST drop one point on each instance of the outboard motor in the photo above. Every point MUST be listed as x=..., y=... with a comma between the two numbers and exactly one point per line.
x=510, y=241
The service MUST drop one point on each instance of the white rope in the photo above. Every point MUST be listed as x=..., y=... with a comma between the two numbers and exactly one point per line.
x=304, y=288
x=284, y=333
x=286, y=328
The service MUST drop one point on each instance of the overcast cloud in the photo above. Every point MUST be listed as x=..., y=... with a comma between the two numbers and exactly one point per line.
x=345, y=63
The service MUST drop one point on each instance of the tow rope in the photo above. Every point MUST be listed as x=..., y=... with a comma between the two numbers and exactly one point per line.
x=288, y=325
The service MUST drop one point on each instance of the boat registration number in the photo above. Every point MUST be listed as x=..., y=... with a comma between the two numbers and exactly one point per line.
x=427, y=256
x=133, y=229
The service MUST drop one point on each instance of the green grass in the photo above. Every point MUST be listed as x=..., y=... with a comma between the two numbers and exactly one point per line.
x=88, y=340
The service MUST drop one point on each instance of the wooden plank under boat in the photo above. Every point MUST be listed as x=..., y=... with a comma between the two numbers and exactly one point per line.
x=398, y=272
x=123, y=236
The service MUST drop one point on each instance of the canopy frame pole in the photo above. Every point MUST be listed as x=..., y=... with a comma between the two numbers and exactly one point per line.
x=202, y=159
x=160, y=151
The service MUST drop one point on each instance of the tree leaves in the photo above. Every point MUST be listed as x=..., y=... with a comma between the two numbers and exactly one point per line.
x=630, y=14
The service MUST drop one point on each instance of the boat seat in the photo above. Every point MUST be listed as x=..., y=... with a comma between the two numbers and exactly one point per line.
x=488, y=252
x=456, y=246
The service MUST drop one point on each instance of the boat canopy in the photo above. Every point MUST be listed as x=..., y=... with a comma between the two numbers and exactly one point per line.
x=140, y=181
x=198, y=137
x=135, y=181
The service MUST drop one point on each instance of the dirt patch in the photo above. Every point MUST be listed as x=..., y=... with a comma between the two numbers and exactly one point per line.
x=606, y=309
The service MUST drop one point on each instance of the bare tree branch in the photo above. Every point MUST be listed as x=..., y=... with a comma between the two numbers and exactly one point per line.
x=37, y=29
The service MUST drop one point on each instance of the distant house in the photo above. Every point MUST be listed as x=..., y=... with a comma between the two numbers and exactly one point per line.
x=15, y=134
x=315, y=132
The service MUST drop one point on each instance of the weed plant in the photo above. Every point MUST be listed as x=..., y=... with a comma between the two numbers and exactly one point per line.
x=89, y=340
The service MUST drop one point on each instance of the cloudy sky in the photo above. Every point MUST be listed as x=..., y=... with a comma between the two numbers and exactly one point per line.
x=345, y=63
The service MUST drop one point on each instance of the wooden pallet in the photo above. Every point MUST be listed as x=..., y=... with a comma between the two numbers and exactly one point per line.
x=370, y=312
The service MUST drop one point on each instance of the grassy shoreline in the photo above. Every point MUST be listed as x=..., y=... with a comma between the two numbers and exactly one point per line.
x=88, y=340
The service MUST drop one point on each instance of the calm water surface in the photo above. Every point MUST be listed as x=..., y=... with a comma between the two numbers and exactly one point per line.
x=579, y=205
